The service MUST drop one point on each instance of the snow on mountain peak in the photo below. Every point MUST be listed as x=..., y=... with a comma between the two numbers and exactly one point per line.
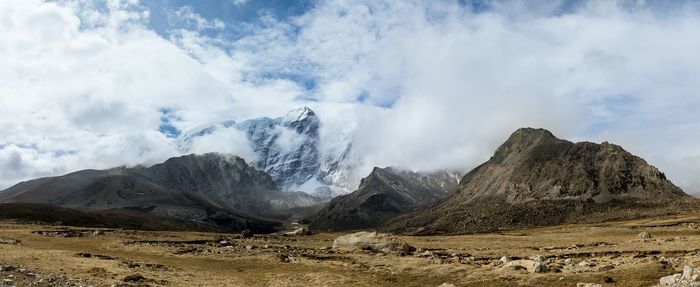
x=289, y=149
x=299, y=114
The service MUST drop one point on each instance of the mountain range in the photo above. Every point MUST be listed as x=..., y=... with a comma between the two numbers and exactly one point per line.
x=532, y=179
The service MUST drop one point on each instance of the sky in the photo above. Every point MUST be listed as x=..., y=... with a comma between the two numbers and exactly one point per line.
x=421, y=84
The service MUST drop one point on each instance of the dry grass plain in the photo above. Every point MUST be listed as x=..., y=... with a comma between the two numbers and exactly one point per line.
x=94, y=257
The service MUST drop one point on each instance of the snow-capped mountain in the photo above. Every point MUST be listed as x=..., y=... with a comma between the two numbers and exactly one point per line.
x=290, y=150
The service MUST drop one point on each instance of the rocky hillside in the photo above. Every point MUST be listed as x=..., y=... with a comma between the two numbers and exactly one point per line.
x=535, y=178
x=384, y=194
x=220, y=191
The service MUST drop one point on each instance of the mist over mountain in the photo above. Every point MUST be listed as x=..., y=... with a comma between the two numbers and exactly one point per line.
x=384, y=194
x=290, y=150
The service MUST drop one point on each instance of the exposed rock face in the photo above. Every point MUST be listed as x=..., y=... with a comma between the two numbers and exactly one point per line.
x=289, y=149
x=384, y=194
x=212, y=188
x=372, y=241
x=533, y=164
x=535, y=178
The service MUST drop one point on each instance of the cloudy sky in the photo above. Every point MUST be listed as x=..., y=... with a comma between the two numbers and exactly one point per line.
x=423, y=84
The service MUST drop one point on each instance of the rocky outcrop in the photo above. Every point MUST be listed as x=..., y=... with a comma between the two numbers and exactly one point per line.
x=384, y=194
x=212, y=189
x=372, y=241
x=689, y=278
x=535, y=178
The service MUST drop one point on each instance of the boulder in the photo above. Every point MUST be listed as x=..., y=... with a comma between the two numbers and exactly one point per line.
x=246, y=233
x=531, y=266
x=689, y=278
x=373, y=241
x=9, y=241
x=301, y=231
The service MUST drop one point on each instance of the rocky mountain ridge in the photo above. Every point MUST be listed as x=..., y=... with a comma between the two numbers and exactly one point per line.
x=382, y=195
x=536, y=179
x=211, y=189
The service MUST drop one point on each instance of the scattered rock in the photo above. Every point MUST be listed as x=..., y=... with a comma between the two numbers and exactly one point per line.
x=531, y=266
x=608, y=279
x=588, y=285
x=606, y=267
x=585, y=263
x=372, y=241
x=447, y=285
x=644, y=235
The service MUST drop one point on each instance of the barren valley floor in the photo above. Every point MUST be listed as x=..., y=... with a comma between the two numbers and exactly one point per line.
x=67, y=256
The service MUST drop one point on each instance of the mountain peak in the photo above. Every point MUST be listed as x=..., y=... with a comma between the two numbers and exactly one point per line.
x=524, y=140
x=299, y=114
x=531, y=133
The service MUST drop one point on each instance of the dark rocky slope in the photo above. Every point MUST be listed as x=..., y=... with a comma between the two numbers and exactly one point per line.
x=211, y=190
x=536, y=179
x=384, y=194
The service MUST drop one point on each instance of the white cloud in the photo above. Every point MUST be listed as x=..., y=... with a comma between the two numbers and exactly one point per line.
x=187, y=15
x=223, y=140
x=439, y=85
x=239, y=2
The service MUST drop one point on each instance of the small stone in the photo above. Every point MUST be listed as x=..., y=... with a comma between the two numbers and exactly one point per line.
x=588, y=285
x=608, y=279
x=644, y=235
x=447, y=285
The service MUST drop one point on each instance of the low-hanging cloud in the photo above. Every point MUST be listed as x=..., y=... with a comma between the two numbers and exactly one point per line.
x=419, y=84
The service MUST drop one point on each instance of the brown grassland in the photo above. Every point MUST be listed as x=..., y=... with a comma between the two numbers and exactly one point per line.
x=104, y=257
